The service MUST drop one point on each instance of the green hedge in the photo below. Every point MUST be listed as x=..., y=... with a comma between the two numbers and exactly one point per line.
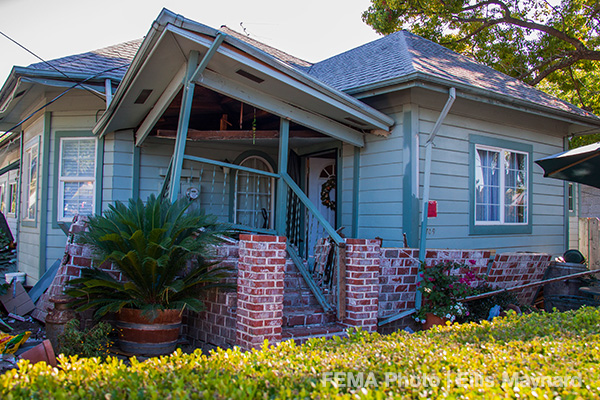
x=546, y=355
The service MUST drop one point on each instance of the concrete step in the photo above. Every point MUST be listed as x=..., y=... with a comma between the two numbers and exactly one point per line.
x=301, y=334
x=300, y=316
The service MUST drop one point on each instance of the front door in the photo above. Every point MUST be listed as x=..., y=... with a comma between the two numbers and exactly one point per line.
x=321, y=184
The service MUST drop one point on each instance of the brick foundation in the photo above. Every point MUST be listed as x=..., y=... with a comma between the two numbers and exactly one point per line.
x=271, y=293
x=260, y=289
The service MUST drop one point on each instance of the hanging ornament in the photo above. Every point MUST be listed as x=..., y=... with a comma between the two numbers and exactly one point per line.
x=254, y=128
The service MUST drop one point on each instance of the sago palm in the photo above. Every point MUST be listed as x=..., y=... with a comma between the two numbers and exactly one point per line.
x=162, y=251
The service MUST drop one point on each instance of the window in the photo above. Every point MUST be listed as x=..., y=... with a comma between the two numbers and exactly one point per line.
x=254, y=195
x=31, y=180
x=76, y=183
x=501, y=186
x=2, y=196
x=12, y=198
x=571, y=197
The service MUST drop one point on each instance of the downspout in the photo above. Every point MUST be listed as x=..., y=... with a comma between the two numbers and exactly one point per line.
x=108, y=92
x=18, y=210
x=427, y=184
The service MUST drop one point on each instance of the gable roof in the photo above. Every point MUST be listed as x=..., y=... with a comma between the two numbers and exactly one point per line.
x=272, y=51
x=403, y=56
x=109, y=62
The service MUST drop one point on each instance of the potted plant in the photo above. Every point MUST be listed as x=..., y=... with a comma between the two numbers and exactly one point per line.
x=162, y=251
x=443, y=286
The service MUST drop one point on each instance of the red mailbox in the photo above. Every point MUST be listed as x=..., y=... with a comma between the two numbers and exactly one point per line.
x=432, y=209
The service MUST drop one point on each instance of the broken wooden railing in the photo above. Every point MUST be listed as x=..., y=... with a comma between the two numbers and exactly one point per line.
x=245, y=198
x=306, y=230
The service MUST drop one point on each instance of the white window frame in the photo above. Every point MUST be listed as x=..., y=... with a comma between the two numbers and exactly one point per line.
x=32, y=148
x=62, y=180
x=272, y=194
x=3, y=196
x=13, y=197
x=502, y=189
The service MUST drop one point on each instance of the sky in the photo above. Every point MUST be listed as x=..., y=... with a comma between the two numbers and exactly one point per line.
x=309, y=29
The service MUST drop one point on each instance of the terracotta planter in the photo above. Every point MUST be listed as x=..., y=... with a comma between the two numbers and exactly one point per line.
x=41, y=352
x=432, y=320
x=139, y=335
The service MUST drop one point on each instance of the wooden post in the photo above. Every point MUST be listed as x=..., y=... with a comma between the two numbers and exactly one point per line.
x=583, y=237
x=281, y=205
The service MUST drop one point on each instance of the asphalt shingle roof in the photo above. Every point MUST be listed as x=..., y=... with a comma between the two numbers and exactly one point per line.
x=392, y=57
x=272, y=51
x=109, y=62
x=402, y=53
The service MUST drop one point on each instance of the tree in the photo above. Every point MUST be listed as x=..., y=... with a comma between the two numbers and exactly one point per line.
x=551, y=44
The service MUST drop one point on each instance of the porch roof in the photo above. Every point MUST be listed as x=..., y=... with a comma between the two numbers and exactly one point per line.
x=238, y=70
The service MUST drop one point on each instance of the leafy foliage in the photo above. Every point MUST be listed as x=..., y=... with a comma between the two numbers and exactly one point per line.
x=161, y=249
x=443, y=286
x=552, y=43
x=510, y=354
x=93, y=342
x=480, y=309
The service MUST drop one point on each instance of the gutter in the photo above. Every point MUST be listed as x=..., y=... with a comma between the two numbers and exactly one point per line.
x=470, y=92
x=427, y=183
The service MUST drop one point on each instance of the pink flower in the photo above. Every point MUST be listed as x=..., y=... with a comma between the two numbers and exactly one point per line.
x=431, y=279
x=450, y=286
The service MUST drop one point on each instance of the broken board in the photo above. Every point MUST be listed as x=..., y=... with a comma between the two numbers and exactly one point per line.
x=16, y=300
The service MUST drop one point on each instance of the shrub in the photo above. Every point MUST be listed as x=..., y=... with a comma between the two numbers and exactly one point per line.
x=161, y=250
x=542, y=355
x=480, y=309
x=93, y=342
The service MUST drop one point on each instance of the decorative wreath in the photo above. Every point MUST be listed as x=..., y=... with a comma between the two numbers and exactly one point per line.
x=325, y=190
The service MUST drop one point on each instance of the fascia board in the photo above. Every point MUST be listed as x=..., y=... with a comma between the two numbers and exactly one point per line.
x=472, y=93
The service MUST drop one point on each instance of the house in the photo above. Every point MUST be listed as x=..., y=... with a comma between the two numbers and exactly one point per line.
x=51, y=166
x=275, y=144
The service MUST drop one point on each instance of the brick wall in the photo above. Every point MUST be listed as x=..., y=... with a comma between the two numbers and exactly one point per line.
x=76, y=257
x=399, y=268
x=216, y=325
x=260, y=289
x=362, y=283
x=514, y=269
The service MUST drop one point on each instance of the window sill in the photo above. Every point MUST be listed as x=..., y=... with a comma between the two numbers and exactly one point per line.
x=500, y=229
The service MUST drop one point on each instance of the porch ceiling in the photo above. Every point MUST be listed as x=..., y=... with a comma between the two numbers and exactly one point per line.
x=234, y=76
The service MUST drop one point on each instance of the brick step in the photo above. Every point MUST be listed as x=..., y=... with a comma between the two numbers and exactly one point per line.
x=297, y=316
x=301, y=334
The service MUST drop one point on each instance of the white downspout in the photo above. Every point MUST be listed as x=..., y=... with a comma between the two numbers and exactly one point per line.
x=427, y=184
x=108, y=92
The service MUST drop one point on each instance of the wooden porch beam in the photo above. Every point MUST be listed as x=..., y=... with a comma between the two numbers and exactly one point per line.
x=182, y=127
x=256, y=98
x=233, y=135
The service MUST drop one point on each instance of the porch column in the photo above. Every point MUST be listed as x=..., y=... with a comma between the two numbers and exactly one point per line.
x=182, y=127
x=260, y=284
x=282, y=189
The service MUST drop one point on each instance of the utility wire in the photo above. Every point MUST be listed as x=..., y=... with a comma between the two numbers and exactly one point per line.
x=51, y=66
x=59, y=96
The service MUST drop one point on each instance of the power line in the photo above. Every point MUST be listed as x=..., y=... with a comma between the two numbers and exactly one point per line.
x=50, y=65
x=59, y=96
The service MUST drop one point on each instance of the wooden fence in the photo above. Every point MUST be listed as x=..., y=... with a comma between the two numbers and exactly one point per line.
x=589, y=241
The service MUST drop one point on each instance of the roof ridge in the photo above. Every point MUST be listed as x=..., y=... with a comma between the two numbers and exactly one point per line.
x=88, y=54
